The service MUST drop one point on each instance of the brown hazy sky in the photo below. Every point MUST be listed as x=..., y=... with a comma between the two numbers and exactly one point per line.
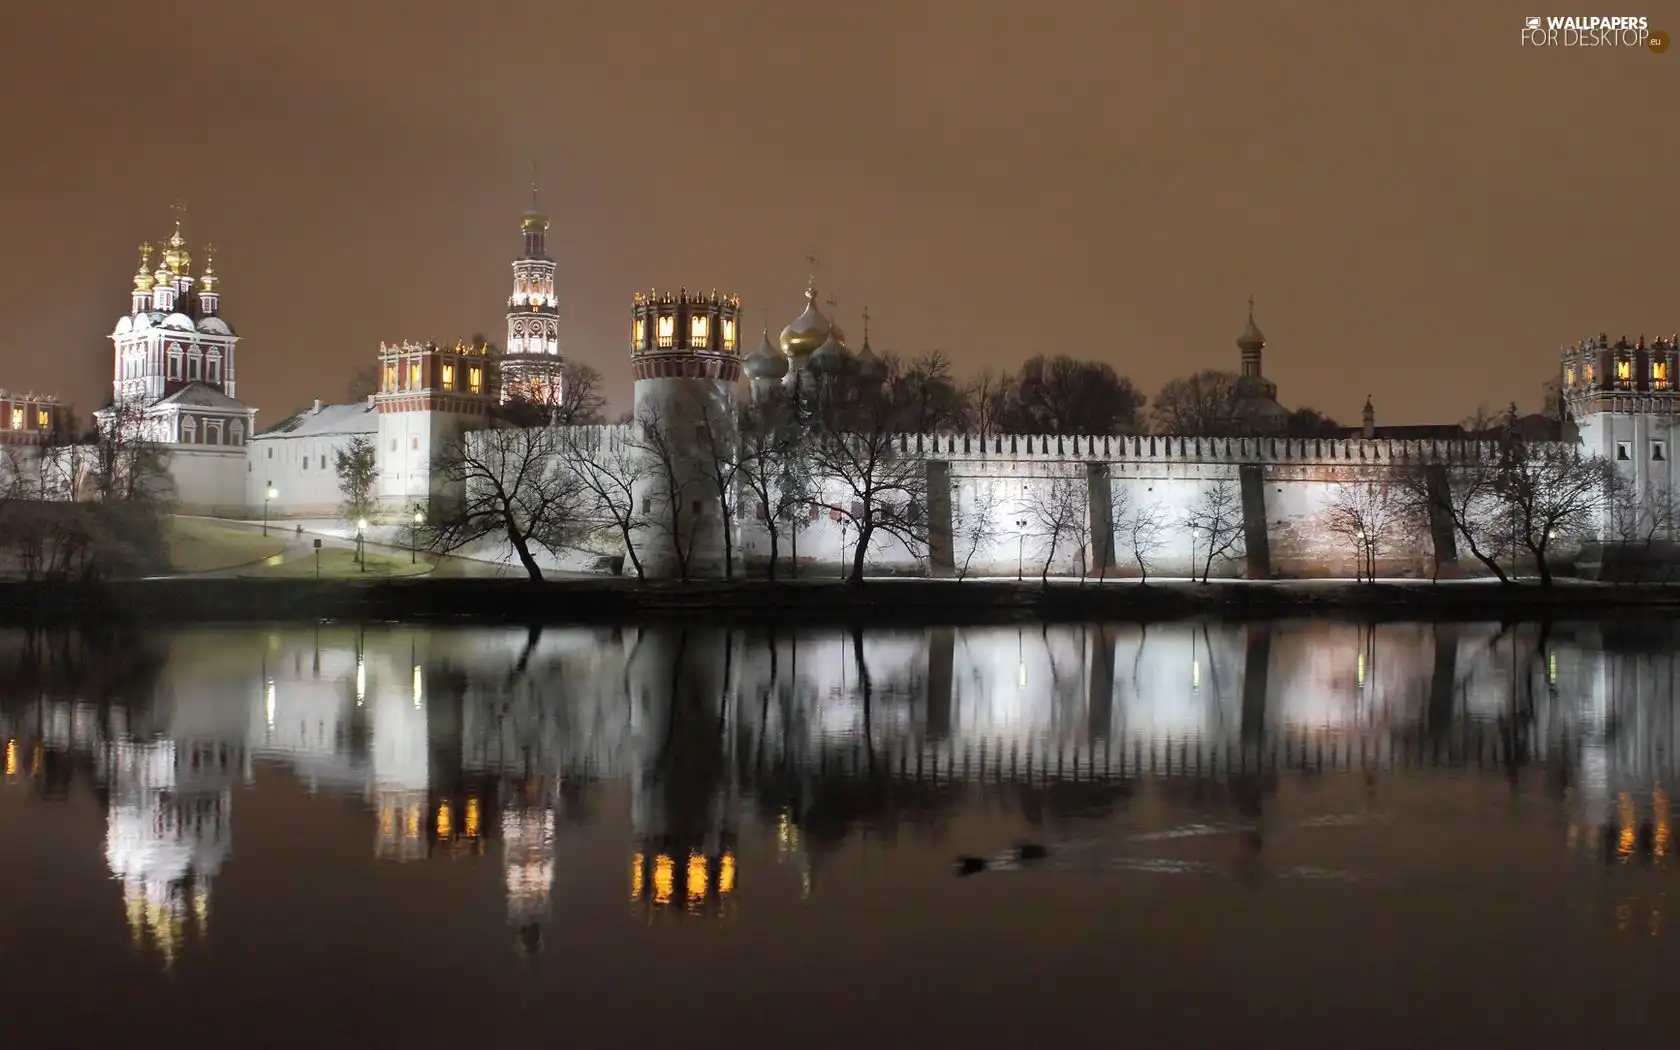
x=1423, y=209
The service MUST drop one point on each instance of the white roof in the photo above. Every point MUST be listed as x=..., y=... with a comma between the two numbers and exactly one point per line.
x=200, y=395
x=357, y=417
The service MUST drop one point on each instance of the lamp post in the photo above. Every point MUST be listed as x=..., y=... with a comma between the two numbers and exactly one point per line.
x=361, y=550
x=268, y=497
x=1359, y=537
x=1020, y=547
x=414, y=536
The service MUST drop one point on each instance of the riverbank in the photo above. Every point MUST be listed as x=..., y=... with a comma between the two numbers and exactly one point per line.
x=181, y=600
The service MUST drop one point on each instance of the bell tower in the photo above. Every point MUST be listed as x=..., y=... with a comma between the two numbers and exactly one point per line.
x=531, y=362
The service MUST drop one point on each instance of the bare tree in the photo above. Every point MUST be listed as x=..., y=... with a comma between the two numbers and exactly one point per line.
x=363, y=384
x=1143, y=524
x=130, y=464
x=508, y=482
x=985, y=395
x=1639, y=514
x=1368, y=515
x=857, y=451
x=1056, y=514
x=671, y=487
x=771, y=469
x=927, y=395
x=720, y=448
x=608, y=469
x=1215, y=522
x=1551, y=492
x=578, y=402
x=1465, y=493
x=974, y=524
x=1194, y=405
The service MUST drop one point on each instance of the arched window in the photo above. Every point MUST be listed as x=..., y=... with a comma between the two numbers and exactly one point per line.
x=194, y=359
x=236, y=433
x=189, y=430
x=213, y=366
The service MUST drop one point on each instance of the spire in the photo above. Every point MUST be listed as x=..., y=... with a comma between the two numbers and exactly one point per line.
x=811, y=278
x=207, y=282
x=866, y=328
x=536, y=206
x=143, y=276
x=1251, y=342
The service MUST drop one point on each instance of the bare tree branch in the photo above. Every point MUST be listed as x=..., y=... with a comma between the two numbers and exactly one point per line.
x=1215, y=522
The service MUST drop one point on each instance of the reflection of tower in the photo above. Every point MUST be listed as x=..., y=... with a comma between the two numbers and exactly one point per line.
x=683, y=797
x=528, y=865
x=168, y=832
x=395, y=695
x=685, y=356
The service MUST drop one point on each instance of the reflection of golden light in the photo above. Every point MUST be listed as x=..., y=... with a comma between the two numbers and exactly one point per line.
x=726, y=875
x=1624, y=843
x=201, y=908
x=472, y=818
x=664, y=878
x=387, y=822
x=1551, y=668
x=636, y=877
x=361, y=680
x=413, y=822
x=11, y=758
x=417, y=687
x=696, y=877
x=1361, y=669
x=1659, y=803
x=445, y=821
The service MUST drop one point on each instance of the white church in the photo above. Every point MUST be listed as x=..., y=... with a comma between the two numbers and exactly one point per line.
x=175, y=366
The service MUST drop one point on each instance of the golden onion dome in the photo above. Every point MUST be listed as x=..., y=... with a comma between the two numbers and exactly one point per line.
x=533, y=220
x=1251, y=337
x=143, y=276
x=807, y=331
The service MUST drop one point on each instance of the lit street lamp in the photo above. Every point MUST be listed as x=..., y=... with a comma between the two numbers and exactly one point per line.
x=1020, y=547
x=361, y=549
x=414, y=536
x=268, y=497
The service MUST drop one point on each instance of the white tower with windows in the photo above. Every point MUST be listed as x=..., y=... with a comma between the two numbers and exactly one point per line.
x=531, y=362
x=685, y=356
x=1623, y=399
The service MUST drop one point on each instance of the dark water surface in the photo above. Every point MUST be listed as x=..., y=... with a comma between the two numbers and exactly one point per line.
x=1303, y=834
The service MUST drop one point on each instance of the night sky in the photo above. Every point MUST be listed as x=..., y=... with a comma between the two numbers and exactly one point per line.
x=1423, y=209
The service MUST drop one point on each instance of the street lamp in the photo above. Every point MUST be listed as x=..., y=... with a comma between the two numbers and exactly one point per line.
x=361, y=533
x=1020, y=547
x=268, y=497
x=1359, y=538
x=414, y=536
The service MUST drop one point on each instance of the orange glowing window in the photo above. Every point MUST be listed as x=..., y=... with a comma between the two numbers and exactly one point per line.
x=43, y=419
x=1624, y=371
x=390, y=377
x=1659, y=374
x=699, y=330
x=1569, y=376
x=666, y=335
x=449, y=377
x=17, y=419
x=414, y=376
x=475, y=380
x=638, y=332
x=1586, y=373
x=728, y=334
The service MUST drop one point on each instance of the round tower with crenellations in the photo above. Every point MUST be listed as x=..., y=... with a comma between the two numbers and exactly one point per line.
x=685, y=356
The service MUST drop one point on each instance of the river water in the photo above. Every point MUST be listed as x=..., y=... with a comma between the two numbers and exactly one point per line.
x=1297, y=834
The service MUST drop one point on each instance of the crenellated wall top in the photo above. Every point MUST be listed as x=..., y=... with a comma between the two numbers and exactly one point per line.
x=1169, y=449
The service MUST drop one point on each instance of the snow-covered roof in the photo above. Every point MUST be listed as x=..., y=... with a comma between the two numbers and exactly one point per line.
x=214, y=326
x=179, y=321
x=201, y=395
x=357, y=417
x=124, y=324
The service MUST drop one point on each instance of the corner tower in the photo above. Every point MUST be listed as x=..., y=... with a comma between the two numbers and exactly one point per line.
x=428, y=396
x=532, y=363
x=685, y=357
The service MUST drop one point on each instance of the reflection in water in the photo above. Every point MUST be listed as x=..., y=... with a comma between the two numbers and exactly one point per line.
x=1143, y=751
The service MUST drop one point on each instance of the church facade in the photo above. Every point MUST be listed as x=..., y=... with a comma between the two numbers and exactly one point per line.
x=175, y=377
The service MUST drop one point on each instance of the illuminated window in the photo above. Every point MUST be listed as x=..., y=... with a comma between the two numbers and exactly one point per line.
x=1586, y=373
x=414, y=376
x=728, y=334
x=1659, y=374
x=43, y=419
x=699, y=329
x=448, y=377
x=390, y=377
x=638, y=332
x=17, y=419
x=1624, y=371
x=475, y=380
x=1569, y=376
x=666, y=336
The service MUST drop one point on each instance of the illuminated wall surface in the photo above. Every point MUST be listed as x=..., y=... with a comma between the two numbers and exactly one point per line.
x=462, y=743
